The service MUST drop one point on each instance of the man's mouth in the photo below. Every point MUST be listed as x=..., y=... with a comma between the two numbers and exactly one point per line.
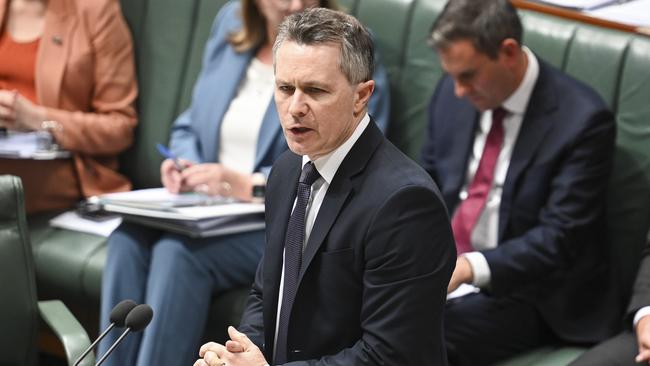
x=299, y=130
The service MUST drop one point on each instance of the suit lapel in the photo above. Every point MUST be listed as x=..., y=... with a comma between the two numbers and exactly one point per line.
x=461, y=137
x=278, y=219
x=268, y=133
x=341, y=187
x=534, y=128
x=224, y=81
x=56, y=43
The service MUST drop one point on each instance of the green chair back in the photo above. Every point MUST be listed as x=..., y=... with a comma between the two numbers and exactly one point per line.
x=18, y=307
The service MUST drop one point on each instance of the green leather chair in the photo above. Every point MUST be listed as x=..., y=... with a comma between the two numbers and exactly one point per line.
x=19, y=309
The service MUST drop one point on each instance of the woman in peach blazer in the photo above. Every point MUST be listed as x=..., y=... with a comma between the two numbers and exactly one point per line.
x=84, y=81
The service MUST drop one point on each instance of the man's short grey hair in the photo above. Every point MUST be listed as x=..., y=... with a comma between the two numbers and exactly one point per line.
x=320, y=26
x=485, y=23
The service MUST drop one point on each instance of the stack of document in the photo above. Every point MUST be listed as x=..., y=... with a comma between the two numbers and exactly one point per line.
x=28, y=145
x=191, y=214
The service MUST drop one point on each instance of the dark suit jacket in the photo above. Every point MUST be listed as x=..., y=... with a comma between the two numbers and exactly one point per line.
x=641, y=291
x=375, y=270
x=551, y=248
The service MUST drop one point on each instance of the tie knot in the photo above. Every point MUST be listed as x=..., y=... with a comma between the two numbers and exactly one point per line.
x=309, y=174
x=498, y=114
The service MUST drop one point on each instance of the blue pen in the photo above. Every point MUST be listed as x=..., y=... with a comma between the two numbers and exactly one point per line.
x=169, y=155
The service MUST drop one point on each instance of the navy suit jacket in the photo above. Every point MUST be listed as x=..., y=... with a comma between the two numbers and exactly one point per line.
x=195, y=133
x=375, y=270
x=551, y=242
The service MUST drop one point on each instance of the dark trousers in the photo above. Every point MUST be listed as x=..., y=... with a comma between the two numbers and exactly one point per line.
x=617, y=351
x=482, y=330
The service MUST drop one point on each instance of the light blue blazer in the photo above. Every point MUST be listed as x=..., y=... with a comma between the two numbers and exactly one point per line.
x=195, y=133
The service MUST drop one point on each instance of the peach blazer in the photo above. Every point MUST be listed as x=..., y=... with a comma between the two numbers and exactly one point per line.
x=85, y=76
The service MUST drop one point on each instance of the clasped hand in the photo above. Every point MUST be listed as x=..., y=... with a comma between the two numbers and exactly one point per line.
x=19, y=113
x=238, y=351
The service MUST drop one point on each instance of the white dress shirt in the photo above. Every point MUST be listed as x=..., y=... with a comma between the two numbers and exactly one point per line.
x=242, y=121
x=485, y=232
x=640, y=314
x=327, y=166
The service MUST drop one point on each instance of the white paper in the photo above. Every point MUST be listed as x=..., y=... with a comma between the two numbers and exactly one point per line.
x=579, y=4
x=462, y=290
x=71, y=221
x=24, y=145
x=636, y=13
x=158, y=202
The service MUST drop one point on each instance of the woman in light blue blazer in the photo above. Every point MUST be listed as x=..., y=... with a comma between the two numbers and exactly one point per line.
x=172, y=272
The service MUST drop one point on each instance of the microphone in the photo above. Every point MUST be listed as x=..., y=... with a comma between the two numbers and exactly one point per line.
x=117, y=318
x=136, y=320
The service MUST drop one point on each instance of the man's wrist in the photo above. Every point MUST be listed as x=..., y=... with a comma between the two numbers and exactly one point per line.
x=480, y=269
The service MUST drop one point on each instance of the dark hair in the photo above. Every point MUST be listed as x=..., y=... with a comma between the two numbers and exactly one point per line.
x=320, y=26
x=253, y=32
x=486, y=23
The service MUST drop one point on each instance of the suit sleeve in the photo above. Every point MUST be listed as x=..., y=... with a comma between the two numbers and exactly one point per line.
x=108, y=129
x=641, y=291
x=252, y=323
x=569, y=215
x=428, y=156
x=409, y=258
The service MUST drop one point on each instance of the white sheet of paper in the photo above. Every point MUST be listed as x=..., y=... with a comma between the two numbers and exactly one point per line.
x=636, y=13
x=579, y=4
x=71, y=221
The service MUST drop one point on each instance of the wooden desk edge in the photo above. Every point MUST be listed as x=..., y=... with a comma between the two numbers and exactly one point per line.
x=576, y=15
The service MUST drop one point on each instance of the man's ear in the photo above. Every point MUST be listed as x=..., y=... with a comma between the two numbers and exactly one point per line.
x=362, y=95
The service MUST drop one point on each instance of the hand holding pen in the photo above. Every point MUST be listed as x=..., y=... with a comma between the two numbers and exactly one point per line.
x=171, y=170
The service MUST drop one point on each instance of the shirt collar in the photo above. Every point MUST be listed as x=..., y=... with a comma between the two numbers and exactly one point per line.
x=328, y=164
x=517, y=102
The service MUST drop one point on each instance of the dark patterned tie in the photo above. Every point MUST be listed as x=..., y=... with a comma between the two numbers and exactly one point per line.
x=470, y=209
x=293, y=257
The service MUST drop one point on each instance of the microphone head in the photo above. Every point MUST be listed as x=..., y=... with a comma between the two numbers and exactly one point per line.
x=139, y=317
x=120, y=311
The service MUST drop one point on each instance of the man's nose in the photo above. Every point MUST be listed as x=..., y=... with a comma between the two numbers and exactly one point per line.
x=298, y=107
x=461, y=89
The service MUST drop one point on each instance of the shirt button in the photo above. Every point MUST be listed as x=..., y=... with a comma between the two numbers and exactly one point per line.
x=463, y=195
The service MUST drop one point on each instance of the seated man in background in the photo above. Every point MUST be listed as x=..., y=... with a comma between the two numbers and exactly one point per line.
x=632, y=346
x=357, y=273
x=521, y=153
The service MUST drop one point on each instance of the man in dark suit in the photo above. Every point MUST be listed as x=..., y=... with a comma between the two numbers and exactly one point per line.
x=632, y=346
x=359, y=250
x=521, y=153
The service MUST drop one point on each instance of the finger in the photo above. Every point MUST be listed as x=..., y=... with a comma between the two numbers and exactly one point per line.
x=212, y=359
x=234, y=347
x=213, y=347
x=239, y=337
x=207, y=347
x=200, y=362
x=7, y=113
x=6, y=97
x=644, y=355
x=186, y=163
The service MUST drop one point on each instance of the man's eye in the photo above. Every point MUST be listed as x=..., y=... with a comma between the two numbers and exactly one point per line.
x=285, y=89
x=315, y=91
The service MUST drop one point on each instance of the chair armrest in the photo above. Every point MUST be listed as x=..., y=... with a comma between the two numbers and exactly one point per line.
x=68, y=329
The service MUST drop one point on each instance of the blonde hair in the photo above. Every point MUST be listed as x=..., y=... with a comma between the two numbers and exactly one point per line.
x=253, y=33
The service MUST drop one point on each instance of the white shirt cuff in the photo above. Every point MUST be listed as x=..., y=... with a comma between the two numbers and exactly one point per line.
x=640, y=314
x=480, y=268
